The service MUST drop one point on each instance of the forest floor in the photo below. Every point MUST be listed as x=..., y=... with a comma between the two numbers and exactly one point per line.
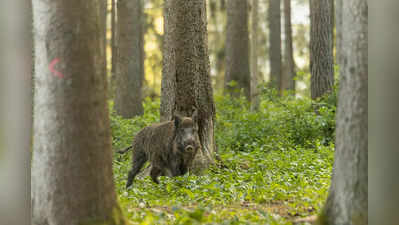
x=279, y=162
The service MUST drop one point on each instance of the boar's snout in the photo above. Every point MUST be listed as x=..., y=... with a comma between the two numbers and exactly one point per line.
x=189, y=148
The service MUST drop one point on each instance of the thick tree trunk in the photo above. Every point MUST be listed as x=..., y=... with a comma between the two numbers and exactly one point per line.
x=275, y=43
x=254, y=56
x=321, y=47
x=129, y=67
x=72, y=181
x=288, y=82
x=186, y=81
x=237, y=48
x=347, y=202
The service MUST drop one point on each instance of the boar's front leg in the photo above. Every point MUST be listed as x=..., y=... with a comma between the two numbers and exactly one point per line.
x=155, y=172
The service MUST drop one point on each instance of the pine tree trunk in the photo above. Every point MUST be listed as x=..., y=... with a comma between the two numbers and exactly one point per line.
x=237, y=48
x=186, y=81
x=275, y=43
x=129, y=67
x=347, y=202
x=72, y=181
x=254, y=56
x=288, y=82
x=321, y=47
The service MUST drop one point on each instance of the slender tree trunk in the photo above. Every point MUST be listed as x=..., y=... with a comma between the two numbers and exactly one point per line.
x=72, y=181
x=275, y=43
x=186, y=81
x=338, y=30
x=321, y=47
x=254, y=56
x=113, y=47
x=347, y=202
x=237, y=48
x=129, y=69
x=288, y=82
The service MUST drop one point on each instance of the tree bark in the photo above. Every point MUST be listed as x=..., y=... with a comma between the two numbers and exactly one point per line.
x=288, y=79
x=347, y=202
x=129, y=69
x=72, y=181
x=275, y=43
x=237, y=48
x=186, y=81
x=254, y=56
x=321, y=47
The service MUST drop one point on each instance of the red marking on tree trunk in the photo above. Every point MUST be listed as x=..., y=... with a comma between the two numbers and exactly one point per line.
x=55, y=72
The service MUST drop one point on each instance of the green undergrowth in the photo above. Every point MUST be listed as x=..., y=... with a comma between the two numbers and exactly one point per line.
x=278, y=159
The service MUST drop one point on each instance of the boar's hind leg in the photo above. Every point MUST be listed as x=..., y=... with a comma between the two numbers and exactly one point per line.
x=155, y=172
x=139, y=158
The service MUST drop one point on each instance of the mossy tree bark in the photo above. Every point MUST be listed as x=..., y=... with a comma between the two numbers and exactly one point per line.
x=130, y=63
x=288, y=81
x=274, y=13
x=321, y=47
x=186, y=81
x=237, y=49
x=72, y=180
x=347, y=202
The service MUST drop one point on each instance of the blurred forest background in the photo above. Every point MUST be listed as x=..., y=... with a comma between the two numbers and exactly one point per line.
x=217, y=19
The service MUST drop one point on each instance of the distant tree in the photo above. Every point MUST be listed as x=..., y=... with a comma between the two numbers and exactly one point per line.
x=347, y=202
x=72, y=180
x=254, y=56
x=275, y=43
x=338, y=29
x=288, y=82
x=130, y=63
x=321, y=47
x=237, y=48
x=113, y=45
x=186, y=81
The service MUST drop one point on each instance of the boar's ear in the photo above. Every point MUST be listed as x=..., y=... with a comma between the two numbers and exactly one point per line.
x=194, y=116
x=178, y=120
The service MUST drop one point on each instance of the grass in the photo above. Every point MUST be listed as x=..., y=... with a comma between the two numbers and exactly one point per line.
x=279, y=164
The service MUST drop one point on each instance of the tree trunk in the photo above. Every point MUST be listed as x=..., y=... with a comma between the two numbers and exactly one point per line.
x=237, y=48
x=288, y=82
x=72, y=181
x=338, y=30
x=129, y=67
x=321, y=47
x=254, y=56
x=347, y=202
x=275, y=43
x=113, y=47
x=186, y=81
x=15, y=112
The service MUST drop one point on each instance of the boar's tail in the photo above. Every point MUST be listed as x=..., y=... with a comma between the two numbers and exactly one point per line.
x=125, y=150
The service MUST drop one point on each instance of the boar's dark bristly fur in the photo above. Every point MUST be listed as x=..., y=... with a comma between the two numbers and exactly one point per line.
x=169, y=146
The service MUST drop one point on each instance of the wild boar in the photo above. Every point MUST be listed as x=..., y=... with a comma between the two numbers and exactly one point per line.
x=170, y=147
